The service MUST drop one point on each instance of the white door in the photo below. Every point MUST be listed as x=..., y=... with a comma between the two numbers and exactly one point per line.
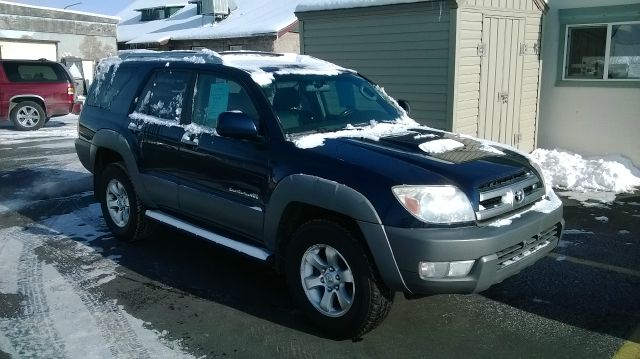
x=16, y=50
x=501, y=79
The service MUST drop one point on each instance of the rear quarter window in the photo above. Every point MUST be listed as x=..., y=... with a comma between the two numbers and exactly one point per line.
x=36, y=72
x=103, y=93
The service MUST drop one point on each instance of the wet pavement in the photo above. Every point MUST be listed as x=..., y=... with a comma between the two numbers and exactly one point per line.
x=69, y=289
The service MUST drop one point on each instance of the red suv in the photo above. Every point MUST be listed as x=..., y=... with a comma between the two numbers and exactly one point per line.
x=31, y=92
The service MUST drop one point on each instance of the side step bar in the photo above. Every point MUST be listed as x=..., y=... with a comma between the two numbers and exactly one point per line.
x=252, y=251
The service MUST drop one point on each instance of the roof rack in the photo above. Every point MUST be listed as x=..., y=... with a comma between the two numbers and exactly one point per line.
x=176, y=55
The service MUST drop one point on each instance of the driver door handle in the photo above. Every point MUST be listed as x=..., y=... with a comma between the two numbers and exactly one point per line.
x=189, y=139
x=133, y=127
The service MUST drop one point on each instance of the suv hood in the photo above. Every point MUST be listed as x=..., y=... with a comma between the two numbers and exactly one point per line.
x=419, y=156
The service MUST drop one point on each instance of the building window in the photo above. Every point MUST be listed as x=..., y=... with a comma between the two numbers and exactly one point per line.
x=602, y=52
x=235, y=48
x=158, y=13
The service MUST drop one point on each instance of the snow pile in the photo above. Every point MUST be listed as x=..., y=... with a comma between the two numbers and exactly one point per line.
x=572, y=172
x=373, y=132
x=440, y=146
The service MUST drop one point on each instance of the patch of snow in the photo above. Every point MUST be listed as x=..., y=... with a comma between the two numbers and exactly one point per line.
x=566, y=244
x=488, y=148
x=624, y=231
x=60, y=314
x=573, y=173
x=546, y=205
x=424, y=135
x=633, y=203
x=373, y=132
x=602, y=219
x=58, y=128
x=594, y=205
x=602, y=197
x=440, y=146
x=154, y=120
x=561, y=258
x=10, y=249
x=576, y=231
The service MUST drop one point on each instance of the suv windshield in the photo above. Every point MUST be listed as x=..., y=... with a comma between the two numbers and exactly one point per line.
x=305, y=103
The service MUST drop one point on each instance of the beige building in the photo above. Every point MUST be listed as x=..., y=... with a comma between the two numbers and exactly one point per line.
x=469, y=66
x=228, y=25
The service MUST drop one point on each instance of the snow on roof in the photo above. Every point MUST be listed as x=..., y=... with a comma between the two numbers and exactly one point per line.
x=56, y=9
x=318, y=5
x=251, y=18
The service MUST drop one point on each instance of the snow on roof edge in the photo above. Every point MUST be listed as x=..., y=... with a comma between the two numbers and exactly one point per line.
x=322, y=5
x=63, y=10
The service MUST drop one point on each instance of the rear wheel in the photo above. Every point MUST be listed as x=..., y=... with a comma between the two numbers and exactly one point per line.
x=28, y=116
x=121, y=207
x=332, y=280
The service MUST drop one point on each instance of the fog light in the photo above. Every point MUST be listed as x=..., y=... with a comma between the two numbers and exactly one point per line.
x=428, y=270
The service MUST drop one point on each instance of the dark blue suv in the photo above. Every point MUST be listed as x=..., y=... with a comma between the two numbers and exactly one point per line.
x=310, y=166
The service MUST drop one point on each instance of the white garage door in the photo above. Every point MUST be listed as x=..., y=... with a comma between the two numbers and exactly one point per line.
x=28, y=50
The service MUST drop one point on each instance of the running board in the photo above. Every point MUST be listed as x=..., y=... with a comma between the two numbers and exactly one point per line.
x=252, y=251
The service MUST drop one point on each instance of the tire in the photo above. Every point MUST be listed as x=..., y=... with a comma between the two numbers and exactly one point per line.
x=28, y=116
x=121, y=208
x=361, y=302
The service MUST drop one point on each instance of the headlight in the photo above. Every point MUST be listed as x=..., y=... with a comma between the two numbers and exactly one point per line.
x=435, y=204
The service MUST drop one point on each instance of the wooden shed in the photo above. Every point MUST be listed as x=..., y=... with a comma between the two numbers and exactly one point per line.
x=467, y=66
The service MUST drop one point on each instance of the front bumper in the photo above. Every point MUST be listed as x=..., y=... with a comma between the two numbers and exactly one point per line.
x=499, y=252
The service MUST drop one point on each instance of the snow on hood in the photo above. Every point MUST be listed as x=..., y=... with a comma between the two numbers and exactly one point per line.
x=571, y=172
x=318, y=5
x=373, y=132
x=440, y=146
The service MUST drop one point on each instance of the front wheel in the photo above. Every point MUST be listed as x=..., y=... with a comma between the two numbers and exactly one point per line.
x=332, y=280
x=121, y=207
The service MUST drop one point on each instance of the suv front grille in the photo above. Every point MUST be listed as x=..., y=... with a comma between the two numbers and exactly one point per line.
x=509, y=194
x=513, y=254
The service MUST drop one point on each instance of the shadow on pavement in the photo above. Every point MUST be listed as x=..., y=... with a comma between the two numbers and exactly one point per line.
x=593, y=281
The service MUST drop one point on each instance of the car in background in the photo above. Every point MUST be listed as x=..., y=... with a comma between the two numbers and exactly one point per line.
x=33, y=91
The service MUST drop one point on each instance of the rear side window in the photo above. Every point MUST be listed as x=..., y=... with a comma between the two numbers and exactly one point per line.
x=34, y=72
x=104, y=91
x=164, y=95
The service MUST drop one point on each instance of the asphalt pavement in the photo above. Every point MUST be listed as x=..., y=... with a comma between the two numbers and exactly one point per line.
x=69, y=289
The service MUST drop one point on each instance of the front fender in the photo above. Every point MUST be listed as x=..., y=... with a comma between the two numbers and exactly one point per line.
x=115, y=142
x=339, y=198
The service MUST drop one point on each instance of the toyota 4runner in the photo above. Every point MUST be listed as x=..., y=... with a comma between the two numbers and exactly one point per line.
x=310, y=166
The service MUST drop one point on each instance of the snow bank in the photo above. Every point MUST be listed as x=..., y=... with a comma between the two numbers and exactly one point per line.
x=573, y=173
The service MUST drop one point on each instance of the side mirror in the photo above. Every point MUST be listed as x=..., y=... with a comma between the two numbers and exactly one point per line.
x=236, y=125
x=405, y=105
